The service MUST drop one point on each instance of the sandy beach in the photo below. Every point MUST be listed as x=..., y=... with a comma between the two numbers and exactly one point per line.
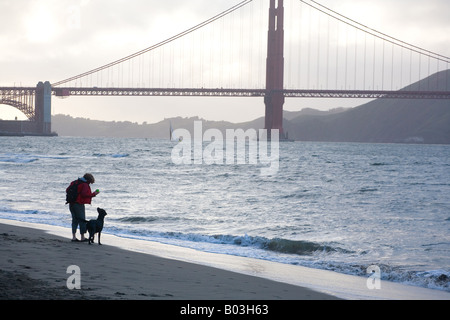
x=34, y=265
x=37, y=263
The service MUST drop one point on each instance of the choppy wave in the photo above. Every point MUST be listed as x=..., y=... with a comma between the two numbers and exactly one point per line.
x=297, y=247
x=18, y=158
x=298, y=195
x=27, y=158
x=10, y=213
x=276, y=245
x=432, y=279
x=300, y=247
x=112, y=155
x=367, y=189
x=379, y=164
x=137, y=219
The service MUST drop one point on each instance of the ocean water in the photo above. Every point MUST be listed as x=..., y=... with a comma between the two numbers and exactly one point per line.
x=334, y=206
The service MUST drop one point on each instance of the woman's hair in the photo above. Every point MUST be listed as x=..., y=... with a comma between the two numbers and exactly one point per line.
x=89, y=178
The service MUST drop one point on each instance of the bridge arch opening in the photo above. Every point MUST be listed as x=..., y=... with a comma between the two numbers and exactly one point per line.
x=8, y=112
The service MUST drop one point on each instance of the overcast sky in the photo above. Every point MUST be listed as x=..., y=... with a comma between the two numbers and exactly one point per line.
x=55, y=39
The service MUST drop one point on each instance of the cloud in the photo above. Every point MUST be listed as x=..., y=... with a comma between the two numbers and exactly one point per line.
x=422, y=23
x=86, y=34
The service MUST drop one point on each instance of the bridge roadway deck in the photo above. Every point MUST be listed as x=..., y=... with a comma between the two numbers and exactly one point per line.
x=16, y=91
x=224, y=92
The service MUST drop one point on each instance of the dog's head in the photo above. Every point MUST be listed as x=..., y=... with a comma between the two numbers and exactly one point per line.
x=101, y=212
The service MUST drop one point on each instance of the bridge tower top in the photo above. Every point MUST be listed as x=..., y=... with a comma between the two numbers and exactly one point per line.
x=274, y=101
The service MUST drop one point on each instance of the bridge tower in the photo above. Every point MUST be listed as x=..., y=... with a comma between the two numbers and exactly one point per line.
x=43, y=105
x=274, y=100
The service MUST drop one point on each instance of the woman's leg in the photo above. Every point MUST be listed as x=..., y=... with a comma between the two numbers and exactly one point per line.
x=79, y=215
x=74, y=221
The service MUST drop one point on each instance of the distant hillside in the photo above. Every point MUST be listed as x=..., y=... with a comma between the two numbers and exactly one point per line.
x=66, y=125
x=289, y=115
x=382, y=120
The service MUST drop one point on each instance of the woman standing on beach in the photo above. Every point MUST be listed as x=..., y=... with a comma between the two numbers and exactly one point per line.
x=77, y=209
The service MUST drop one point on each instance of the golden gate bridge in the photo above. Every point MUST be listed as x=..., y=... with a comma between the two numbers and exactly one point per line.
x=308, y=50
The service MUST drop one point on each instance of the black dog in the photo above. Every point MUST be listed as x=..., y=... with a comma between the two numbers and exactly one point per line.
x=96, y=226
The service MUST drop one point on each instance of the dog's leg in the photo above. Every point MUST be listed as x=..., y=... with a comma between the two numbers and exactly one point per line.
x=99, y=237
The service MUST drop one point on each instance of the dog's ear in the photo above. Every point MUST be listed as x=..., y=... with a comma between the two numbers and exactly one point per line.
x=101, y=211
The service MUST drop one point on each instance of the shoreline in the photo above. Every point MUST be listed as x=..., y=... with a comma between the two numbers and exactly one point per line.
x=37, y=256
